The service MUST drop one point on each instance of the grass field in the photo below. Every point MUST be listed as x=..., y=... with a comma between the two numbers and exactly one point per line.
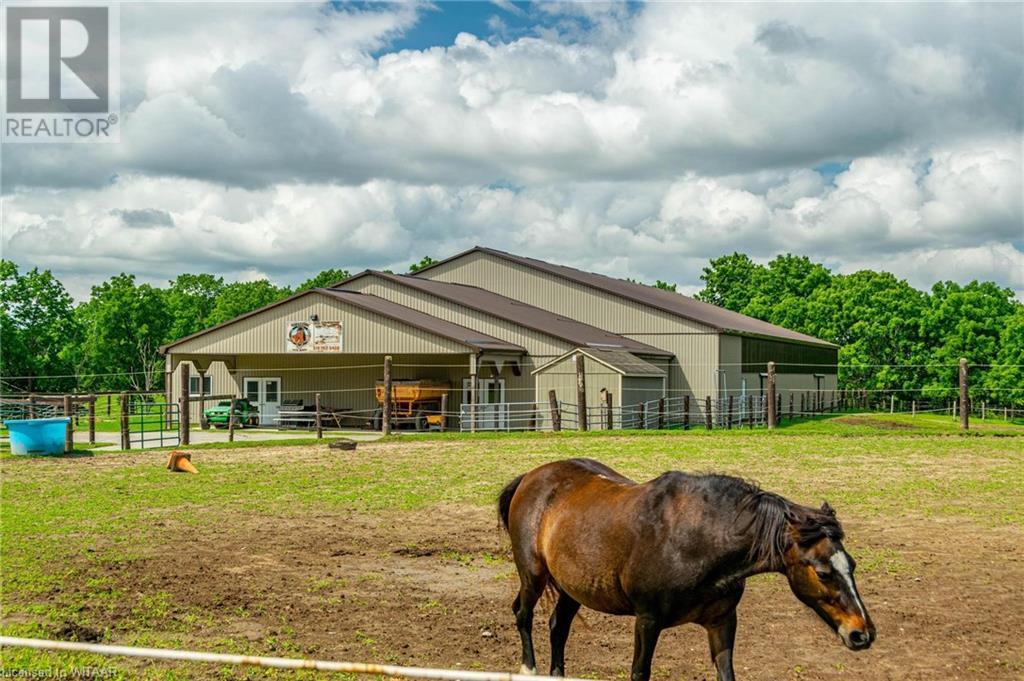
x=391, y=553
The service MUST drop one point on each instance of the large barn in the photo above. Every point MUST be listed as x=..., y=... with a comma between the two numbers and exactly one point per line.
x=511, y=327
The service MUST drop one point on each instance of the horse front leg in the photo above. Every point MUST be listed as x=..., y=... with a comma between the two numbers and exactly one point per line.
x=645, y=638
x=721, y=637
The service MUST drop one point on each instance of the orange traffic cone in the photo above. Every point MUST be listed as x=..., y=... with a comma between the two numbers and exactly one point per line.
x=180, y=462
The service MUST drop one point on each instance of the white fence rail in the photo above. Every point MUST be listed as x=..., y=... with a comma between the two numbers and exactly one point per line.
x=271, y=662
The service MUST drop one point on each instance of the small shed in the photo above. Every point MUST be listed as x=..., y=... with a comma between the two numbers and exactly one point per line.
x=630, y=379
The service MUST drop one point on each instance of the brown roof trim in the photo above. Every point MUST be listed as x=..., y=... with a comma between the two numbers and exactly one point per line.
x=422, y=321
x=654, y=298
x=414, y=318
x=610, y=359
x=431, y=286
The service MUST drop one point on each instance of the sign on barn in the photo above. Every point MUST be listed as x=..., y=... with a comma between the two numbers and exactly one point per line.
x=313, y=337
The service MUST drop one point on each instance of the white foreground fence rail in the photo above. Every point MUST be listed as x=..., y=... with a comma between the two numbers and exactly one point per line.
x=274, y=662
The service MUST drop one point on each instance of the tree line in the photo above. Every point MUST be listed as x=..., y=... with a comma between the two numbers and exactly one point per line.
x=893, y=337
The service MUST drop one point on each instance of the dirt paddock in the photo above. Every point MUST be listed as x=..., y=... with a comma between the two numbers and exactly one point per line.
x=393, y=554
x=435, y=589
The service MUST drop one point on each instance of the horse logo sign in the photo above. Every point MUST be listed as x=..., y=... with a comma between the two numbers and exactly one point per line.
x=298, y=336
x=313, y=337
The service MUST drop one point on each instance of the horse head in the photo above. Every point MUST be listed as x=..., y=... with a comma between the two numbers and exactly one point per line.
x=820, y=573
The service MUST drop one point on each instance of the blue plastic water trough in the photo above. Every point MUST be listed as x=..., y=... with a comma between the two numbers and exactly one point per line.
x=38, y=436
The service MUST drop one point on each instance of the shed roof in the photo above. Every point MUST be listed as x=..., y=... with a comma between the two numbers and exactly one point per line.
x=520, y=313
x=625, y=363
x=674, y=303
x=415, y=318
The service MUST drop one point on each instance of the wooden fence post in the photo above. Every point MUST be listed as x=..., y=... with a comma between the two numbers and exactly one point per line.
x=913, y=407
x=319, y=423
x=750, y=410
x=556, y=413
x=964, y=408
x=790, y=406
x=661, y=413
x=771, y=396
x=31, y=406
x=444, y=411
x=728, y=423
x=385, y=420
x=609, y=415
x=202, y=403
x=603, y=407
x=643, y=416
x=686, y=412
x=92, y=419
x=126, y=441
x=581, y=393
x=707, y=413
x=184, y=415
x=69, y=431
x=231, y=420
x=802, y=406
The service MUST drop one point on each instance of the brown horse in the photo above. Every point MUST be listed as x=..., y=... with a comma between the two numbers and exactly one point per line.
x=674, y=550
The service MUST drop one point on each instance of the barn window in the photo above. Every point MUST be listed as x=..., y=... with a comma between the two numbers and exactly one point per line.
x=193, y=385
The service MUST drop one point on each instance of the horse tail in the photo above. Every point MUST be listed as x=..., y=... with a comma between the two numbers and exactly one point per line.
x=505, y=499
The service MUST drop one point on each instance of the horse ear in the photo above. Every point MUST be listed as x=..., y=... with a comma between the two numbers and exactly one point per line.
x=828, y=510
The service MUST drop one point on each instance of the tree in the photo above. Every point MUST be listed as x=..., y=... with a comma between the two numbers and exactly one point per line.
x=325, y=279
x=665, y=286
x=244, y=296
x=731, y=281
x=124, y=326
x=427, y=261
x=1006, y=380
x=190, y=301
x=783, y=289
x=37, y=321
x=874, y=318
x=964, y=321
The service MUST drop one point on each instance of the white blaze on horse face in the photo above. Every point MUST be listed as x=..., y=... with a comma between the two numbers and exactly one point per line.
x=841, y=564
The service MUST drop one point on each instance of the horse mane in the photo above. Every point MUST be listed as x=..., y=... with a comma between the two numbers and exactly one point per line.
x=772, y=519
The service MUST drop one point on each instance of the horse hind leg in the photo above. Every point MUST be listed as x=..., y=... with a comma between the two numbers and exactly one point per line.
x=560, y=623
x=531, y=588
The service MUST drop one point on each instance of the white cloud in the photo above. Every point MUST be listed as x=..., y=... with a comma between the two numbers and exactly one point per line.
x=285, y=138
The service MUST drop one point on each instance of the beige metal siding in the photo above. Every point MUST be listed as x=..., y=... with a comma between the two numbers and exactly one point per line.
x=363, y=331
x=561, y=377
x=730, y=356
x=637, y=389
x=694, y=345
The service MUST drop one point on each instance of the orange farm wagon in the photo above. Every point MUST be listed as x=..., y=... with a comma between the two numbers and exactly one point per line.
x=416, y=402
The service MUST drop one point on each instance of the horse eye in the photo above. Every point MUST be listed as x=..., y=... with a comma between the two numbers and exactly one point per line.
x=824, y=574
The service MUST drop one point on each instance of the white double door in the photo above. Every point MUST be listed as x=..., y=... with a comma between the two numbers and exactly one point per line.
x=265, y=394
x=491, y=411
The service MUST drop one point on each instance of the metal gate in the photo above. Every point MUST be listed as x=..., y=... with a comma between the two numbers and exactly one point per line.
x=153, y=424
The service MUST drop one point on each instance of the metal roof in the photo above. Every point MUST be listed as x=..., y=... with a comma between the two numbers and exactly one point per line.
x=386, y=308
x=674, y=303
x=621, y=361
x=520, y=313
x=423, y=321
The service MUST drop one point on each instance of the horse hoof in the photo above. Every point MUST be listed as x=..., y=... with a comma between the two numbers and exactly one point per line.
x=529, y=671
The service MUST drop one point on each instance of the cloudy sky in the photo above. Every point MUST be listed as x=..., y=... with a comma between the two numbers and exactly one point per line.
x=637, y=140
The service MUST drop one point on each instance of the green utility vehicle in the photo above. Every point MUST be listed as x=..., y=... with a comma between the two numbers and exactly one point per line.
x=246, y=414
